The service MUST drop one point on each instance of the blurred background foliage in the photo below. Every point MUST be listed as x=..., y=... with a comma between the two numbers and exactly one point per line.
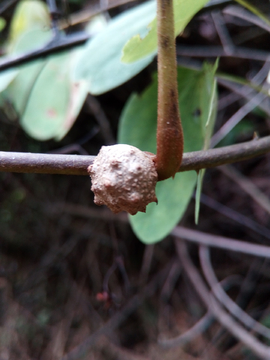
x=67, y=267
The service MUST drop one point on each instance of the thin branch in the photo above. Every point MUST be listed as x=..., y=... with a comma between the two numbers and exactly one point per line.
x=236, y=118
x=248, y=186
x=244, y=91
x=221, y=242
x=196, y=330
x=224, y=319
x=56, y=45
x=235, y=216
x=218, y=51
x=146, y=263
x=101, y=118
x=243, y=14
x=170, y=282
x=224, y=299
x=240, y=90
x=78, y=164
x=6, y=5
x=88, y=12
x=223, y=32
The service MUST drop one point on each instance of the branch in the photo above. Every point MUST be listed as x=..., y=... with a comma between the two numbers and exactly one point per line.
x=191, y=334
x=221, y=242
x=224, y=299
x=218, y=51
x=77, y=164
x=57, y=44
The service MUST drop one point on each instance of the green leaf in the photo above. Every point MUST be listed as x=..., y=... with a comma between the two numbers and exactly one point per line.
x=43, y=94
x=139, y=47
x=138, y=128
x=55, y=101
x=2, y=23
x=208, y=126
x=29, y=15
x=100, y=61
x=198, y=194
x=20, y=89
x=6, y=77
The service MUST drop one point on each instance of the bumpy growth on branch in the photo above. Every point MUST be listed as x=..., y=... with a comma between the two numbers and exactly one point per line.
x=123, y=177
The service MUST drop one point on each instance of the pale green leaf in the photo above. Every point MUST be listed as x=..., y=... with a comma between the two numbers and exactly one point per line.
x=20, y=89
x=48, y=101
x=198, y=195
x=77, y=95
x=100, y=61
x=55, y=100
x=45, y=98
x=138, y=128
x=139, y=47
x=6, y=77
x=29, y=15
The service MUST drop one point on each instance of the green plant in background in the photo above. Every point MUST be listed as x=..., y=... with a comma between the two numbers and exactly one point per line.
x=48, y=94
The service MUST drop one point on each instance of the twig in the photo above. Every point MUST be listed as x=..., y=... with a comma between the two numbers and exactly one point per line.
x=190, y=334
x=252, y=278
x=236, y=216
x=244, y=91
x=102, y=119
x=85, y=212
x=54, y=46
x=253, y=9
x=146, y=263
x=221, y=295
x=87, y=13
x=224, y=319
x=218, y=51
x=247, y=95
x=7, y=4
x=78, y=164
x=221, y=242
x=248, y=186
x=236, y=118
x=243, y=14
x=223, y=32
x=170, y=282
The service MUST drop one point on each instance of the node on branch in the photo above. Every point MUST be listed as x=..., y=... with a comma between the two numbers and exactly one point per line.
x=123, y=178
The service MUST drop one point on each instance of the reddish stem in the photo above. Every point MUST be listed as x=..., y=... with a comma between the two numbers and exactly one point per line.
x=169, y=128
